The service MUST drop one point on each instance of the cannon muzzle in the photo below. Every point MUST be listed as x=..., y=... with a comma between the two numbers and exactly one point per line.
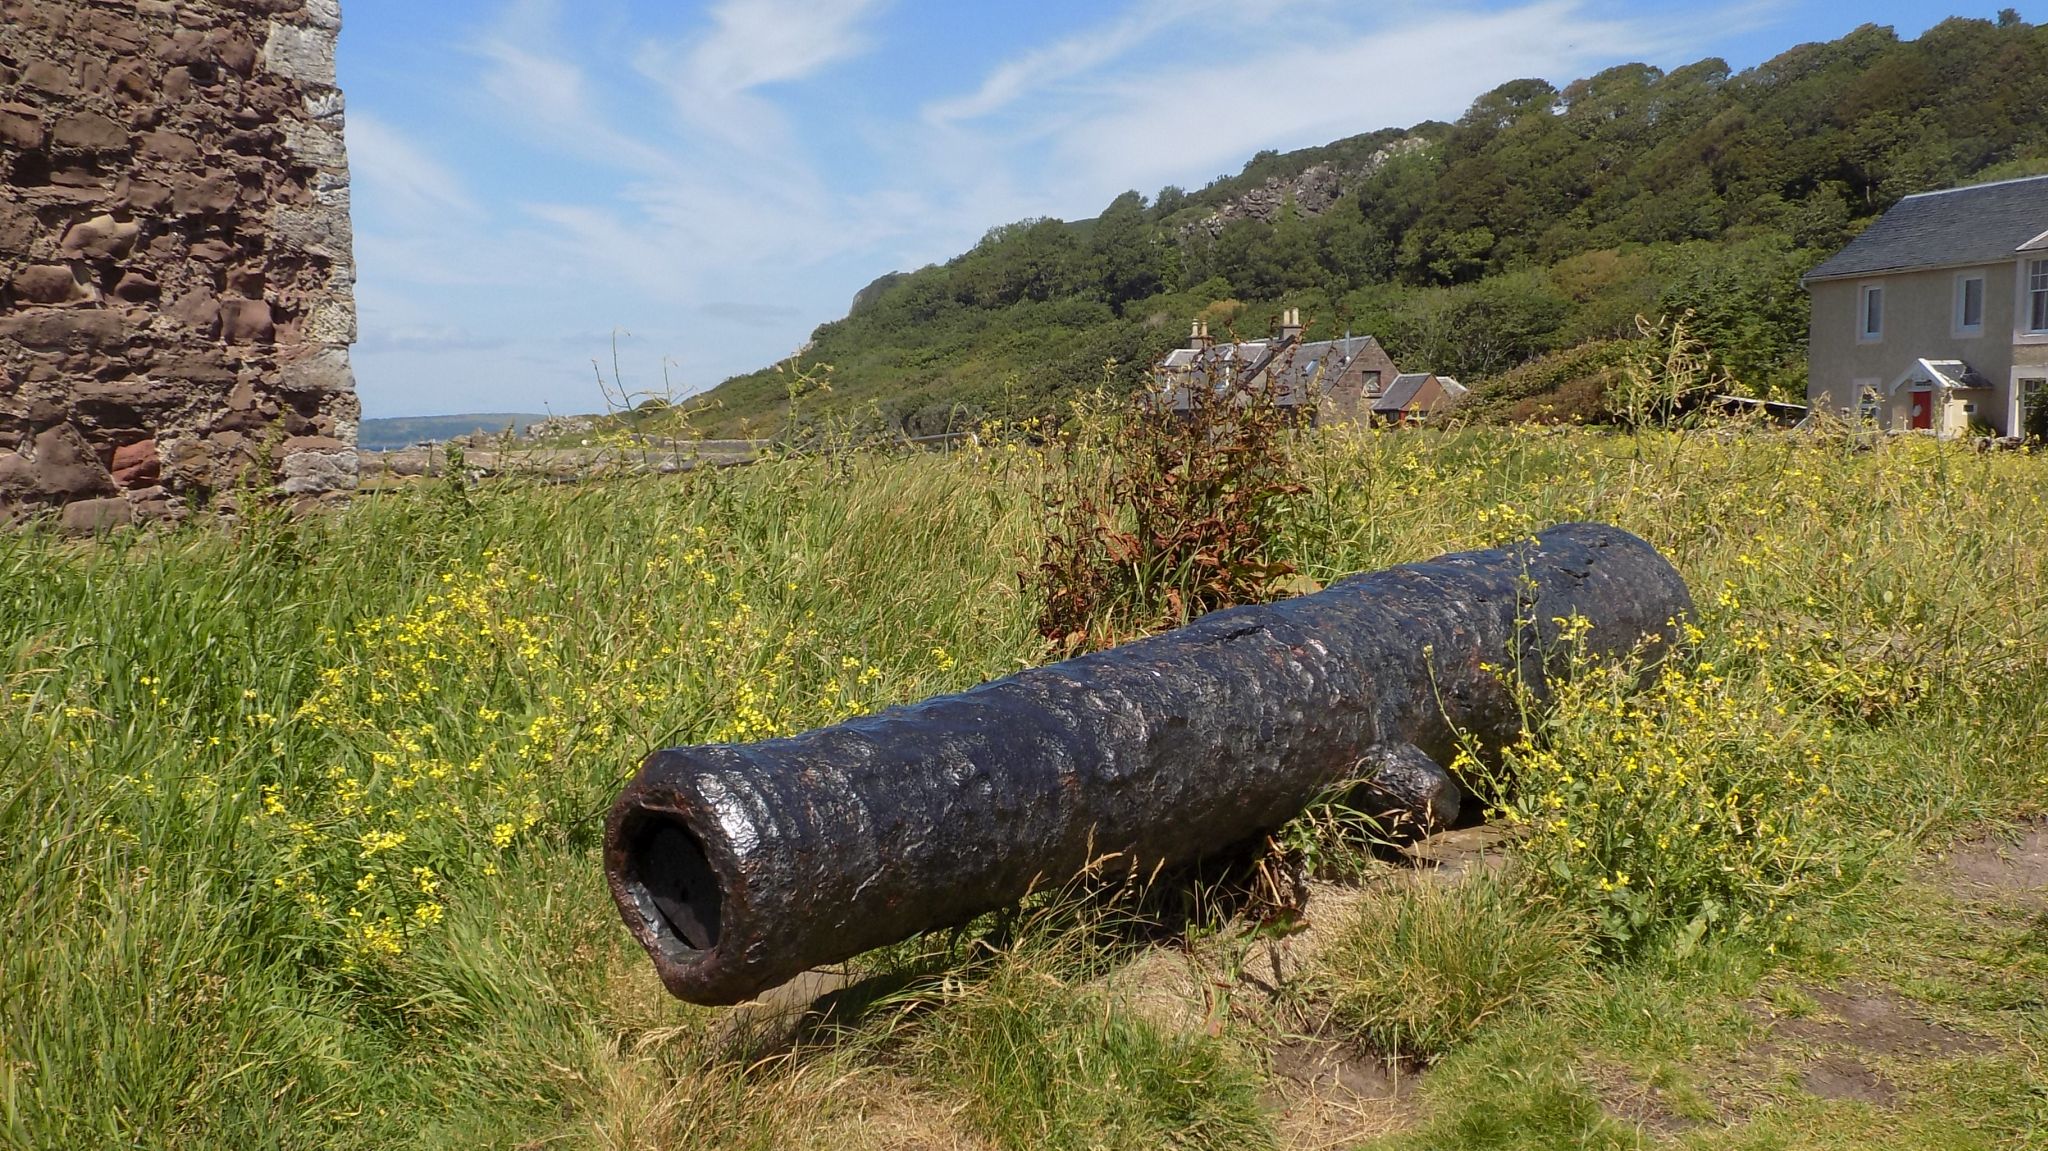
x=740, y=866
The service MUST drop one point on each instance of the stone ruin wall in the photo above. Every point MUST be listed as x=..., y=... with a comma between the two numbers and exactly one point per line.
x=176, y=279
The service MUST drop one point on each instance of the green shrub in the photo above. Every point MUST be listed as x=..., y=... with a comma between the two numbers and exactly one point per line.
x=1665, y=812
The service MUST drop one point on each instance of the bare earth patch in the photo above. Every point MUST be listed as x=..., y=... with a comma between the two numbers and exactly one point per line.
x=2002, y=867
x=1328, y=1094
x=1873, y=1021
x=1629, y=1099
x=1450, y=854
x=1840, y=1077
x=1836, y=1052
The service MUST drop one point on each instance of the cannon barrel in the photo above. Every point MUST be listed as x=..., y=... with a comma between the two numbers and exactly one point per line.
x=741, y=866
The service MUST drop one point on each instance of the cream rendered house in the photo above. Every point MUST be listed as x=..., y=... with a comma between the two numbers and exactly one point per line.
x=1936, y=317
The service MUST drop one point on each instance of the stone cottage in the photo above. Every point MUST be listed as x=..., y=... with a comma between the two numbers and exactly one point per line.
x=1336, y=379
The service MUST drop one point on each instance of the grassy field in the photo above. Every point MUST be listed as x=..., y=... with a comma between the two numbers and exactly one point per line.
x=299, y=822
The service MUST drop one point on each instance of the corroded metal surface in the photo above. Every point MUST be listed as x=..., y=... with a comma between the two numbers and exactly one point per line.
x=739, y=866
x=1406, y=792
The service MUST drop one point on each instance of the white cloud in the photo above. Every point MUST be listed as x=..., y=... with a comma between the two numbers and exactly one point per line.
x=1112, y=121
x=760, y=42
x=1040, y=68
x=396, y=175
x=711, y=227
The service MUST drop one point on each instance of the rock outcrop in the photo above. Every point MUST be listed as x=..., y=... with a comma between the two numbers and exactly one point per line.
x=1312, y=191
x=176, y=277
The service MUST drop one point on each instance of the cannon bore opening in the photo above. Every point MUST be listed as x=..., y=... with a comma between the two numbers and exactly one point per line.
x=673, y=884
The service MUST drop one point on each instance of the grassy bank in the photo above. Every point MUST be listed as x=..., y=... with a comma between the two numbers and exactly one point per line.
x=298, y=821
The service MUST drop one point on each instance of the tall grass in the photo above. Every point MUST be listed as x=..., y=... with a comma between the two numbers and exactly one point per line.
x=1416, y=974
x=298, y=820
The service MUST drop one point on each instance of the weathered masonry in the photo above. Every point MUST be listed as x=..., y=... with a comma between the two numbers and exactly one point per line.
x=176, y=280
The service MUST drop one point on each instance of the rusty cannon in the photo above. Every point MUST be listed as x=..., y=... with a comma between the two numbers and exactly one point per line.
x=741, y=866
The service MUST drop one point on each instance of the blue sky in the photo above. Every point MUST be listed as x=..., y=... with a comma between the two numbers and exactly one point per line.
x=700, y=184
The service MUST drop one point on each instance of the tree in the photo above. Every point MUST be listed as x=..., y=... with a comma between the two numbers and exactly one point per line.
x=1125, y=254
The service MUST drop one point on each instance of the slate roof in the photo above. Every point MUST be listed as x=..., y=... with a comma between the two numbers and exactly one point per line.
x=1401, y=392
x=1953, y=374
x=1320, y=361
x=1985, y=224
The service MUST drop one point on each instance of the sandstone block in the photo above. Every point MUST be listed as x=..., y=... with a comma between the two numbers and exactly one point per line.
x=142, y=195
x=51, y=77
x=21, y=126
x=213, y=193
x=78, y=330
x=206, y=370
x=178, y=85
x=155, y=507
x=110, y=30
x=90, y=132
x=66, y=467
x=135, y=79
x=17, y=475
x=137, y=465
x=187, y=47
x=236, y=52
x=246, y=322
x=137, y=287
x=102, y=237
x=50, y=284
x=19, y=228
x=96, y=517
x=168, y=147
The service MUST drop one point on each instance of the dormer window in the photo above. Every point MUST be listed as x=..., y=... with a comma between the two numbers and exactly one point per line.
x=1870, y=316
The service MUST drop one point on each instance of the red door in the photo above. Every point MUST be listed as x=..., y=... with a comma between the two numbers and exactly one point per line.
x=1923, y=409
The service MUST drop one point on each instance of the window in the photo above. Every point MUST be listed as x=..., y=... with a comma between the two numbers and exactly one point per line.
x=2034, y=409
x=1969, y=305
x=2037, y=296
x=1870, y=324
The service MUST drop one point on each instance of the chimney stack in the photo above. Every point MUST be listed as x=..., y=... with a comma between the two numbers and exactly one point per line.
x=1200, y=335
x=1290, y=324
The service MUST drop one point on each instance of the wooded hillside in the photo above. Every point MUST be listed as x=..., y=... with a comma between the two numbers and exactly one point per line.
x=1542, y=220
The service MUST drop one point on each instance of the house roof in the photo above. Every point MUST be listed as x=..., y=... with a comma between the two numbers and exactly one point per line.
x=1321, y=361
x=1948, y=374
x=1985, y=224
x=1400, y=394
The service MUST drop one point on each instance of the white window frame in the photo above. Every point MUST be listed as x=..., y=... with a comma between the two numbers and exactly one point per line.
x=1963, y=328
x=2034, y=301
x=1865, y=334
x=2019, y=397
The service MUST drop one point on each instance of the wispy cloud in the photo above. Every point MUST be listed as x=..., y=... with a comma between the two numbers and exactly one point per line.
x=1152, y=124
x=1039, y=68
x=398, y=174
x=759, y=42
x=727, y=209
